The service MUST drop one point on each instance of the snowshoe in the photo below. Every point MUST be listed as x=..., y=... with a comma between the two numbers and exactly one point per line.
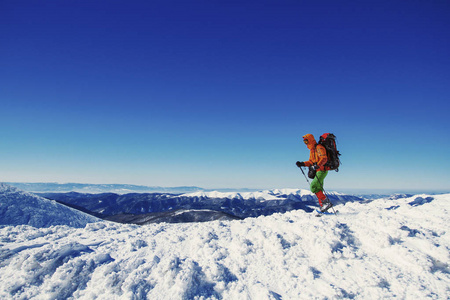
x=326, y=206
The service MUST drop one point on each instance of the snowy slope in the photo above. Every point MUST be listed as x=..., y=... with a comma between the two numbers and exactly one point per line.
x=21, y=208
x=384, y=249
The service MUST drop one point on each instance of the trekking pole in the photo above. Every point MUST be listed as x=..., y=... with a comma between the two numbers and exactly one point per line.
x=305, y=176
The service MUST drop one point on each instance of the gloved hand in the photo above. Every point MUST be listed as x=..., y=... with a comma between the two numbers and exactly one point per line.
x=300, y=164
x=315, y=167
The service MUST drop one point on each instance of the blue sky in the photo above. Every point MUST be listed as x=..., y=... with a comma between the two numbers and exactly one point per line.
x=218, y=93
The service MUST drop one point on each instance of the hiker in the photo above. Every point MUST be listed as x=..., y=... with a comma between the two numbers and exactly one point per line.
x=317, y=169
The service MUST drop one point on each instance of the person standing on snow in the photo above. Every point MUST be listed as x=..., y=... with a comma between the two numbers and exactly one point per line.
x=318, y=171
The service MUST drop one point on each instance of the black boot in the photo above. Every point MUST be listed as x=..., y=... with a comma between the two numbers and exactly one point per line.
x=326, y=205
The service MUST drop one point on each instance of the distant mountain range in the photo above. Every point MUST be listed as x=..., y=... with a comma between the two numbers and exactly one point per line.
x=43, y=187
x=196, y=205
x=49, y=187
x=144, y=208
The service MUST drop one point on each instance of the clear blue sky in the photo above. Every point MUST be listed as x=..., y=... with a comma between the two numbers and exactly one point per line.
x=218, y=93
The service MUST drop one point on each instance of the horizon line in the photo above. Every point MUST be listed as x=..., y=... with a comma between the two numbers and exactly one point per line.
x=354, y=190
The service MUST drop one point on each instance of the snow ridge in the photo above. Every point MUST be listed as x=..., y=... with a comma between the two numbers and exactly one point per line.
x=22, y=208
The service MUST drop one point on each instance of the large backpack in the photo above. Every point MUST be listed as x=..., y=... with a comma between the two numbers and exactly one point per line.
x=328, y=140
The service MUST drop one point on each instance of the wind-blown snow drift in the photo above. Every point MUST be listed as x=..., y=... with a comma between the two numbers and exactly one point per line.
x=384, y=249
x=21, y=208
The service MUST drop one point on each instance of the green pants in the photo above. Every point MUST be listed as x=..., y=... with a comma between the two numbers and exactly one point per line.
x=317, y=183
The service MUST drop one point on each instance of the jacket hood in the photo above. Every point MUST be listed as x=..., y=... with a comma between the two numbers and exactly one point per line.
x=311, y=140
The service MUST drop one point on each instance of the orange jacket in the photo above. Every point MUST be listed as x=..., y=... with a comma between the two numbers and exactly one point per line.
x=317, y=153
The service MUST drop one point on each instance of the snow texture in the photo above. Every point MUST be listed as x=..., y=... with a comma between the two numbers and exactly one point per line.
x=22, y=208
x=382, y=249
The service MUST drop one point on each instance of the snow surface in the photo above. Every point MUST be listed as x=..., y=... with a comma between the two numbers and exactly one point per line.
x=387, y=248
x=22, y=208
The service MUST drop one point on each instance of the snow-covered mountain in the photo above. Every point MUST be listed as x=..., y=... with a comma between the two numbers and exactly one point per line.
x=275, y=194
x=173, y=216
x=44, y=187
x=54, y=187
x=381, y=249
x=22, y=208
x=155, y=207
